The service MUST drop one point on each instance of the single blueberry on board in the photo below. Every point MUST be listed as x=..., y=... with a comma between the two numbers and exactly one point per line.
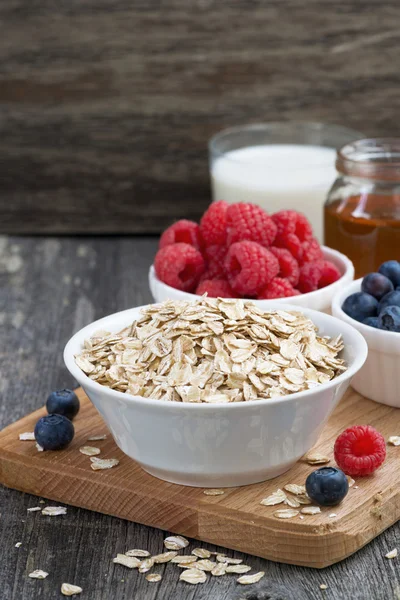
x=372, y=322
x=391, y=299
x=54, y=432
x=391, y=269
x=377, y=285
x=63, y=402
x=327, y=486
x=360, y=306
x=389, y=319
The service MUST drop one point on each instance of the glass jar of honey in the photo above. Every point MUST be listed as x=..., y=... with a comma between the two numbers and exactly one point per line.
x=362, y=211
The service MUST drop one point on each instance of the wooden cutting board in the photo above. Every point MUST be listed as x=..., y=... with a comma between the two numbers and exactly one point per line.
x=235, y=519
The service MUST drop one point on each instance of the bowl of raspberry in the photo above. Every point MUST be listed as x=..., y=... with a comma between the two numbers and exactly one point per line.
x=240, y=251
x=372, y=306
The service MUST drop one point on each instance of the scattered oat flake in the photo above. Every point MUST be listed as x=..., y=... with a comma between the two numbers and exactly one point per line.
x=175, y=542
x=301, y=517
x=238, y=569
x=394, y=440
x=103, y=463
x=38, y=574
x=276, y=498
x=67, y=589
x=42, y=502
x=311, y=510
x=205, y=564
x=128, y=561
x=28, y=436
x=89, y=450
x=201, y=553
x=146, y=564
x=193, y=576
x=317, y=459
x=137, y=552
x=153, y=577
x=228, y=560
x=323, y=586
x=293, y=488
x=97, y=438
x=54, y=511
x=186, y=558
x=391, y=554
x=356, y=487
x=219, y=569
x=39, y=448
x=213, y=492
x=34, y=509
x=332, y=515
x=164, y=557
x=248, y=579
x=286, y=513
x=189, y=565
x=350, y=481
x=18, y=544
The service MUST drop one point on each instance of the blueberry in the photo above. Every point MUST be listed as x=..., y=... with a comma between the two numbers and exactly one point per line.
x=377, y=285
x=327, y=486
x=63, y=402
x=54, y=432
x=391, y=299
x=360, y=305
x=372, y=322
x=389, y=319
x=391, y=269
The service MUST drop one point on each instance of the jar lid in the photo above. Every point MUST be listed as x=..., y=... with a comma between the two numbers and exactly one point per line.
x=374, y=158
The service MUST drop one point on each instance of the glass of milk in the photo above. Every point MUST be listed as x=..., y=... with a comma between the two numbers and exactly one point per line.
x=278, y=166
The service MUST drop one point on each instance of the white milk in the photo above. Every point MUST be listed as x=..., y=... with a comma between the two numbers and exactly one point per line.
x=277, y=177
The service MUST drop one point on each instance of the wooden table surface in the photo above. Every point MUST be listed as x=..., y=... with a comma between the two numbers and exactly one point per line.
x=49, y=288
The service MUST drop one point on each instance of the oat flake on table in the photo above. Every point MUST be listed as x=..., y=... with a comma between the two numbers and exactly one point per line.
x=28, y=436
x=138, y=553
x=193, y=576
x=54, y=511
x=176, y=542
x=391, y=554
x=212, y=350
x=89, y=450
x=67, y=589
x=248, y=579
x=99, y=464
x=153, y=577
x=394, y=440
x=38, y=574
x=34, y=509
x=213, y=492
x=275, y=498
x=201, y=553
x=97, y=438
x=127, y=561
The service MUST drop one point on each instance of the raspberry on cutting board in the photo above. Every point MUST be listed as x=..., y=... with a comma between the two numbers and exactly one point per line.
x=180, y=266
x=360, y=450
x=250, y=222
x=183, y=231
x=250, y=267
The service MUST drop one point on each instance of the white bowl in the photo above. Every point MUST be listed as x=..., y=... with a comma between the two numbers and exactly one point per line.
x=379, y=378
x=318, y=300
x=212, y=445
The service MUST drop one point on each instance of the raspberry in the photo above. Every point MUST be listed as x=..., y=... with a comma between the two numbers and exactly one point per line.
x=310, y=275
x=360, y=450
x=180, y=266
x=291, y=242
x=215, y=256
x=288, y=267
x=215, y=288
x=277, y=288
x=249, y=267
x=183, y=231
x=213, y=224
x=311, y=251
x=249, y=222
x=330, y=274
x=290, y=221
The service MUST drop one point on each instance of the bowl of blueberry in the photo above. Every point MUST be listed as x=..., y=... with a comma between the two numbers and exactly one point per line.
x=372, y=305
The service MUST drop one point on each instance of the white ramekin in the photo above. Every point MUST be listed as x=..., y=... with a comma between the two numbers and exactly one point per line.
x=212, y=445
x=318, y=300
x=379, y=378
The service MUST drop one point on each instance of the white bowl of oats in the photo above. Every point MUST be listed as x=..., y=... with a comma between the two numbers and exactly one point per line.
x=215, y=393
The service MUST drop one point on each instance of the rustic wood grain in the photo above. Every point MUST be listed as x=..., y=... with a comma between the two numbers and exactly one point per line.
x=106, y=108
x=48, y=289
x=235, y=519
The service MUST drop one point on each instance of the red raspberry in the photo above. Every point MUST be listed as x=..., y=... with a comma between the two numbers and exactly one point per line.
x=180, y=266
x=277, y=288
x=215, y=256
x=310, y=275
x=288, y=267
x=291, y=242
x=290, y=221
x=311, y=251
x=183, y=231
x=213, y=224
x=249, y=222
x=249, y=267
x=215, y=288
x=360, y=450
x=330, y=274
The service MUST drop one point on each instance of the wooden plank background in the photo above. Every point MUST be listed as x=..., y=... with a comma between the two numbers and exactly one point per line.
x=106, y=106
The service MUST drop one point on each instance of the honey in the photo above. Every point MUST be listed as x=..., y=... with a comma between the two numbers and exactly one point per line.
x=364, y=228
x=362, y=211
